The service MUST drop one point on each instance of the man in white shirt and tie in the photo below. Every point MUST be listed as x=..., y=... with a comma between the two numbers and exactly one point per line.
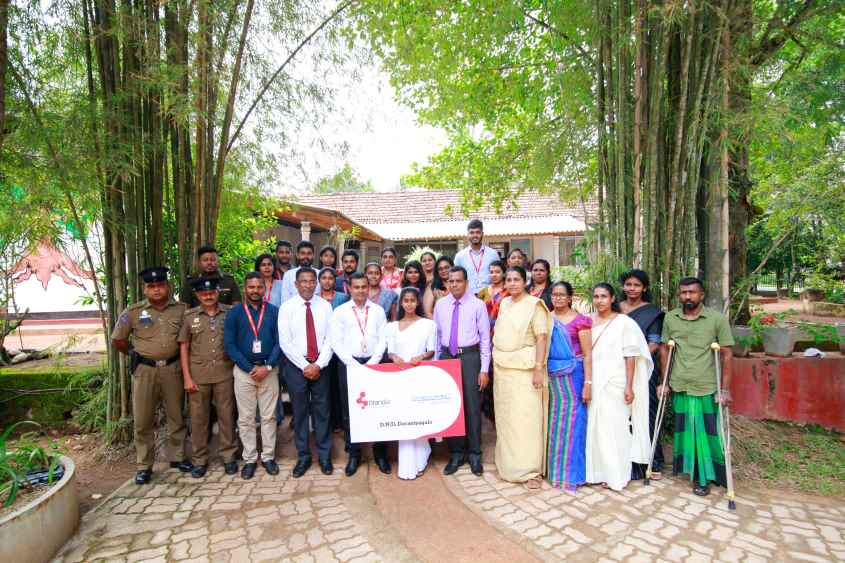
x=281, y=292
x=357, y=336
x=304, y=339
x=476, y=258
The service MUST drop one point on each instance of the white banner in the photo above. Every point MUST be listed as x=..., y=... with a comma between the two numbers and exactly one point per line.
x=389, y=403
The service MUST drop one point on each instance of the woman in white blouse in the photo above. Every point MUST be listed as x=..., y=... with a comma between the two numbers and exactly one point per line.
x=410, y=340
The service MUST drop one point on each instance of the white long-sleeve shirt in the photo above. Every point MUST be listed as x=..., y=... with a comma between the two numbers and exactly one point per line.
x=293, y=337
x=347, y=340
x=287, y=289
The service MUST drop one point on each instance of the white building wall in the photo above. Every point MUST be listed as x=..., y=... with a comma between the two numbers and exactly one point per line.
x=58, y=297
x=544, y=247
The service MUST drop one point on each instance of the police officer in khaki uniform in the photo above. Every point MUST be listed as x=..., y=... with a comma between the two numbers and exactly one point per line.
x=207, y=374
x=153, y=325
x=209, y=267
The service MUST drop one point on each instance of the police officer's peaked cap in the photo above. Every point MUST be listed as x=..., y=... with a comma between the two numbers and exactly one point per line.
x=205, y=284
x=154, y=274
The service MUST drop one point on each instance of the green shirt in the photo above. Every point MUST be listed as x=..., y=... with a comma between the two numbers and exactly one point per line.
x=693, y=369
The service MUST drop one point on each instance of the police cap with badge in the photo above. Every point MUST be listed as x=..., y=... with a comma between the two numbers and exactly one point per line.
x=154, y=274
x=206, y=284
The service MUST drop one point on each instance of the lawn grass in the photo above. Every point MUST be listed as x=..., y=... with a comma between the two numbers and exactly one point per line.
x=40, y=393
x=807, y=459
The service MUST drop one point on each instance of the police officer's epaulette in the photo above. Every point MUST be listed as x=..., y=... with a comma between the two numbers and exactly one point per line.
x=138, y=305
x=224, y=307
x=193, y=310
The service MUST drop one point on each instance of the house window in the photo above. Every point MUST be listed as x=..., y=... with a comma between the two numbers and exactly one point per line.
x=569, y=251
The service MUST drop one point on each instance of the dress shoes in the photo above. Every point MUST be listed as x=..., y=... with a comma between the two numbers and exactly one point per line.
x=352, y=465
x=302, y=465
x=184, y=466
x=454, y=463
x=199, y=471
x=270, y=467
x=475, y=465
x=248, y=470
x=230, y=468
x=383, y=465
x=326, y=466
x=143, y=476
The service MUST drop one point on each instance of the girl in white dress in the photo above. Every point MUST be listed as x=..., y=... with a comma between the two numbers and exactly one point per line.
x=617, y=419
x=410, y=340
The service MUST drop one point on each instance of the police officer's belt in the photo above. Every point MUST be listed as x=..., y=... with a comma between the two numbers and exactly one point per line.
x=156, y=363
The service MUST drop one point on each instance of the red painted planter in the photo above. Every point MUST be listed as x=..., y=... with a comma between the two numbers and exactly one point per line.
x=796, y=389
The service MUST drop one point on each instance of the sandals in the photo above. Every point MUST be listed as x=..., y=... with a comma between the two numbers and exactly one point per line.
x=701, y=490
x=656, y=476
x=533, y=484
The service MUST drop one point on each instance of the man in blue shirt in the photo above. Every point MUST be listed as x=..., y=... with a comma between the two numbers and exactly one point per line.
x=251, y=339
x=476, y=258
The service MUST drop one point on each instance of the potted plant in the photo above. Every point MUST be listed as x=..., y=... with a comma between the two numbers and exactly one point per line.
x=778, y=336
x=40, y=523
x=744, y=340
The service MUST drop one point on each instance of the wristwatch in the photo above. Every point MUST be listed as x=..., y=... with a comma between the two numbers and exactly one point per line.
x=588, y=382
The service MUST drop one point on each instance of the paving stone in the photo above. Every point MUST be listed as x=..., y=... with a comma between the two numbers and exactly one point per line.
x=282, y=519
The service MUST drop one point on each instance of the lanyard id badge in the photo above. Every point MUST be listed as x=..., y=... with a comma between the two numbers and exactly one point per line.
x=256, y=343
x=362, y=326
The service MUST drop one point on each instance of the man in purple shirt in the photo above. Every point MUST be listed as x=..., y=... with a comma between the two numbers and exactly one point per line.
x=463, y=332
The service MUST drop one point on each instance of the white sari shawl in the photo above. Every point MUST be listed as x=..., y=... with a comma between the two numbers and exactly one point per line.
x=617, y=434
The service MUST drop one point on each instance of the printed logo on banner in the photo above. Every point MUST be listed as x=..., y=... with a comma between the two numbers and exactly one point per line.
x=372, y=403
x=401, y=404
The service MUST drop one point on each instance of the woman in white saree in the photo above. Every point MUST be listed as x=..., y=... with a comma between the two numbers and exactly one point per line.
x=617, y=420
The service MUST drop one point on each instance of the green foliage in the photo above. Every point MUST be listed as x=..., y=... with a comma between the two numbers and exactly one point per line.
x=17, y=461
x=830, y=283
x=797, y=154
x=245, y=211
x=820, y=333
x=92, y=390
x=515, y=98
x=345, y=180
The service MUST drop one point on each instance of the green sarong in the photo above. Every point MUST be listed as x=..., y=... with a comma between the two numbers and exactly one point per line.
x=698, y=449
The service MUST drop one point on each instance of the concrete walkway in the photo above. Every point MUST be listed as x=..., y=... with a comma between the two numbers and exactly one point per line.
x=374, y=517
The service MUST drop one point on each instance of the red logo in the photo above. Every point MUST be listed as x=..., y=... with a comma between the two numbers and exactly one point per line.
x=361, y=400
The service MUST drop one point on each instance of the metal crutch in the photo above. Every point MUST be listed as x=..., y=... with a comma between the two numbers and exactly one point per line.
x=724, y=427
x=661, y=410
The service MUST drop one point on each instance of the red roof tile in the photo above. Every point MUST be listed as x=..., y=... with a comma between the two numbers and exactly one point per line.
x=437, y=205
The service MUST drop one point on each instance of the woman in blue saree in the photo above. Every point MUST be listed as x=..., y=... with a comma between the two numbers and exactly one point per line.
x=569, y=383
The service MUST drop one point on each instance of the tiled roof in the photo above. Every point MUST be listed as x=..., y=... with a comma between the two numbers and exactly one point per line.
x=375, y=208
x=497, y=227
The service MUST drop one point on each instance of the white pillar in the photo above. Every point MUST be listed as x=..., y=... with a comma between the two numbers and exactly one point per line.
x=556, y=247
x=305, y=230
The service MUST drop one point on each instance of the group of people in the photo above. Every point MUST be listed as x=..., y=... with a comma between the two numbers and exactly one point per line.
x=573, y=396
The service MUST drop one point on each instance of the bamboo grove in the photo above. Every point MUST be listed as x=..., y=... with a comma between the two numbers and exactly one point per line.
x=170, y=89
x=666, y=86
x=662, y=94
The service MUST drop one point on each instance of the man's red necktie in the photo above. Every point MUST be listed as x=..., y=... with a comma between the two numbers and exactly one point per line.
x=310, y=334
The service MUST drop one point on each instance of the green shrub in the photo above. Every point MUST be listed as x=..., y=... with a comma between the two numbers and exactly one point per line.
x=25, y=457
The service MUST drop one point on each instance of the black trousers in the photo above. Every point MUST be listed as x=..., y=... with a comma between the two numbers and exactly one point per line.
x=379, y=448
x=470, y=367
x=309, y=398
x=336, y=418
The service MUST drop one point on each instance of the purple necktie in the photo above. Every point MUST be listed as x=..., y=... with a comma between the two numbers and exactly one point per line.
x=453, y=335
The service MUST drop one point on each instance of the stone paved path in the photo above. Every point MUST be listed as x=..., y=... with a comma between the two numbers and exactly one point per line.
x=373, y=517
x=664, y=521
x=224, y=518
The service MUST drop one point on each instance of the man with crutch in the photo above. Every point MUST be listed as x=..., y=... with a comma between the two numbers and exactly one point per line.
x=697, y=395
